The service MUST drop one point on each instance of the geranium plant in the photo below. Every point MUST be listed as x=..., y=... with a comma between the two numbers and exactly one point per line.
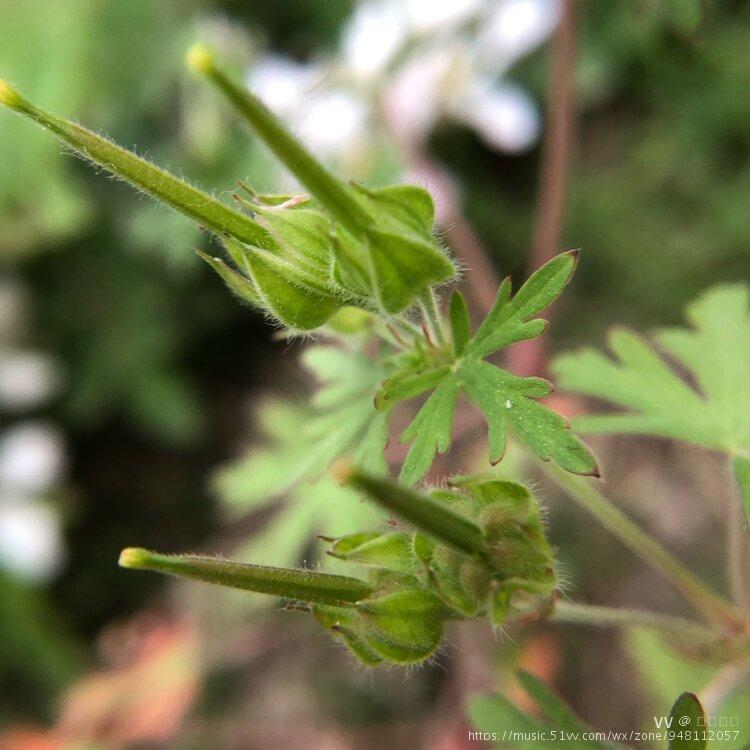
x=365, y=268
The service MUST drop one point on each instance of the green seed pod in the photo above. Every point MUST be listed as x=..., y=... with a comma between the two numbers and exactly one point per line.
x=302, y=585
x=427, y=514
x=396, y=256
x=404, y=627
x=159, y=183
x=303, y=236
x=480, y=550
x=293, y=296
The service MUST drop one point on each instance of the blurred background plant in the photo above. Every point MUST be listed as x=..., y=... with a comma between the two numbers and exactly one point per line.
x=127, y=375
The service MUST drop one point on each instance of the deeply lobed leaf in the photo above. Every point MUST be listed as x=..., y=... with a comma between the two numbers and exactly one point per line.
x=504, y=399
x=713, y=411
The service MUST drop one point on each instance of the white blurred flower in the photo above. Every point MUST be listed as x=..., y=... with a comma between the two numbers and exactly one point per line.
x=373, y=33
x=513, y=29
x=26, y=379
x=504, y=116
x=332, y=121
x=31, y=544
x=440, y=67
x=425, y=15
x=424, y=86
x=282, y=83
x=31, y=457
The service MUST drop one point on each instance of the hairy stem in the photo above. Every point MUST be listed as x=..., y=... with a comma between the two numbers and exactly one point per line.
x=527, y=358
x=714, y=608
x=432, y=316
x=738, y=539
x=588, y=614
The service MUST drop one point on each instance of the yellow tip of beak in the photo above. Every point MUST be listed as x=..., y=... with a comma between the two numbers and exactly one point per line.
x=9, y=97
x=133, y=557
x=199, y=59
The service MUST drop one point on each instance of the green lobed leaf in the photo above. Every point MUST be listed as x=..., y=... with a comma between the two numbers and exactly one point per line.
x=430, y=431
x=510, y=319
x=656, y=400
x=300, y=443
x=505, y=400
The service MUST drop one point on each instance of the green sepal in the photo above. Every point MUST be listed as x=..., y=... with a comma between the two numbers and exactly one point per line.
x=295, y=298
x=405, y=626
x=349, y=321
x=460, y=582
x=303, y=236
x=349, y=265
x=403, y=208
x=517, y=548
x=236, y=282
x=392, y=551
x=401, y=267
x=341, y=623
x=423, y=547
